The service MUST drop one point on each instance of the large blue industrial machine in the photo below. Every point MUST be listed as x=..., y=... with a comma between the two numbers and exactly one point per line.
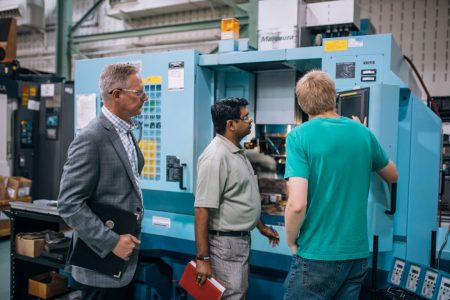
x=373, y=80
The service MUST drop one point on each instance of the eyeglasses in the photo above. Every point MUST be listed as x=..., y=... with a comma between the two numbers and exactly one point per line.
x=138, y=93
x=245, y=118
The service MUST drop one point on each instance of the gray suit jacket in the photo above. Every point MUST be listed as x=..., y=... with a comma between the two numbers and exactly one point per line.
x=98, y=170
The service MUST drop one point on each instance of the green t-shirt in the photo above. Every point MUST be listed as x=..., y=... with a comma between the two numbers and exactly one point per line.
x=337, y=157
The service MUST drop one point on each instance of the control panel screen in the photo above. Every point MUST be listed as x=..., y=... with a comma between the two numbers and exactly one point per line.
x=351, y=106
x=354, y=103
x=345, y=70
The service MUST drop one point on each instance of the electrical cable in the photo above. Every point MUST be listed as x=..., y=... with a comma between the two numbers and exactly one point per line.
x=430, y=101
x=443, y=246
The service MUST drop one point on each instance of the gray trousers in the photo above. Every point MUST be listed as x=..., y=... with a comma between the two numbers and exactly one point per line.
x=229, y=262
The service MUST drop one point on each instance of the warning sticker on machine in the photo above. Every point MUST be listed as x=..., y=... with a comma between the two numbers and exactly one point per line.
x=335, y=45
x=161, y=221
x=176, y=76
x=152, y=80
x=47, y=90
x=355, y=43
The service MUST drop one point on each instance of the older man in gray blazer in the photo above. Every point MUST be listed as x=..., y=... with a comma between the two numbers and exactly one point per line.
x=103, y=166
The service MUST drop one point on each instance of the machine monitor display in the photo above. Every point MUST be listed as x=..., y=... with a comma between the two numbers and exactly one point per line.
x=345, y=70
x=354, y=103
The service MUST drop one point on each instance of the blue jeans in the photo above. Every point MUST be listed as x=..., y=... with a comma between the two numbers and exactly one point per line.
x=319, y=279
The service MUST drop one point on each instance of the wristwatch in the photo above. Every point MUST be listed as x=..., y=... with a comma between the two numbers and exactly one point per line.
x=202, y=258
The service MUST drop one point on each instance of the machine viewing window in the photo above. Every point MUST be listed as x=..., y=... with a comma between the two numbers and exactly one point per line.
x=354, y=103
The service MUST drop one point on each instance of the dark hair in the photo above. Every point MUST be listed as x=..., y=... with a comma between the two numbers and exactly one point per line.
x=224, y=110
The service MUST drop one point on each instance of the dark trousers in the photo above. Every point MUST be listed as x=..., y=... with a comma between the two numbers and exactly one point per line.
x=96, y=293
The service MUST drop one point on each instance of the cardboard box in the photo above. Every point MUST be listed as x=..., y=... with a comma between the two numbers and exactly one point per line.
x=5, y=204
x=18, y=187
x=23, y=199
x=29, y=245
x=47, y=285
x=5, y=227
x=3, y=181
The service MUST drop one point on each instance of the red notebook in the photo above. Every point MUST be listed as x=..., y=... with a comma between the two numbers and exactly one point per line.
x=210, y=290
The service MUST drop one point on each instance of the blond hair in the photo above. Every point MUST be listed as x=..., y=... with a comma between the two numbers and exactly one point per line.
x=316, y=93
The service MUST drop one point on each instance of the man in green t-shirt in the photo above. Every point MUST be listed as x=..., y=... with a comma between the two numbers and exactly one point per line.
x=329, y=164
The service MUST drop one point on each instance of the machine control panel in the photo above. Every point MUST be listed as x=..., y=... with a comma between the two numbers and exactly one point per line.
x=26, y=133
x=151, y=129
x=444, y=289
x=397, y=272
x=358, y=70
x=429, y=284
x=173, y=168
x=413, y=277
x=422, y=280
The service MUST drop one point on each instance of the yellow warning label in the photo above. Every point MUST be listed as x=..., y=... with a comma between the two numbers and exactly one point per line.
x=335, y=45
x=152, y=80
x=33, y=91
x=25, y=95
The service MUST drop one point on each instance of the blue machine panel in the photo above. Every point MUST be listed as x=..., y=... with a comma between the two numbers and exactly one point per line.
x=373, y=52
x=423, y=181
x=383, y=122
x=171, y=121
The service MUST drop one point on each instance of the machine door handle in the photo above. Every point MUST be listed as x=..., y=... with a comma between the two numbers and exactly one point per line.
x=182, y=187
x=393, y=200
x=442, y=191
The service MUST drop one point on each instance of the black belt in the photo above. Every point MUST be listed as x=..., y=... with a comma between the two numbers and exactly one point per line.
x=228, y=233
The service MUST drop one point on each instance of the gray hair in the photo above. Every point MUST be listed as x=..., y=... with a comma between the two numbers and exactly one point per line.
x=115, y=76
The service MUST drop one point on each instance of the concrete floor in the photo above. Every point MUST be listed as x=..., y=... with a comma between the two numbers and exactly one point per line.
x=4, y=268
